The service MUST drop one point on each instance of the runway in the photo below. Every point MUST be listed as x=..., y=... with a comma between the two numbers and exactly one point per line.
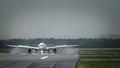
x=36, y=60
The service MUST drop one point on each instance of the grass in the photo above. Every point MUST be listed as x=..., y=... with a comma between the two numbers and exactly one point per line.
x=98, y=63
x=4, y=51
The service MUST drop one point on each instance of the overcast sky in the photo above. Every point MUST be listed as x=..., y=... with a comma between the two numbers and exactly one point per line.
x=58, y=18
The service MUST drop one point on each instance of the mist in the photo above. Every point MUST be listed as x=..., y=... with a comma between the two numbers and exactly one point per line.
x=28, y=19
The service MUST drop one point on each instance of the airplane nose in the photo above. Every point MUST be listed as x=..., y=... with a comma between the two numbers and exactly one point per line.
x=41, y=47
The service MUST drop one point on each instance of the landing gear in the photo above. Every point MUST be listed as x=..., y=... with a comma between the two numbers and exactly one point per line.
x=29, y=50
x=55, y=50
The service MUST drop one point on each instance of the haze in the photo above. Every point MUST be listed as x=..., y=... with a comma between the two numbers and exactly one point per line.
x=28, y=19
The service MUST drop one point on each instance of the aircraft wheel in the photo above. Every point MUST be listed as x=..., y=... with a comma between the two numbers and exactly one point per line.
x=55, y=50
x=29, y=50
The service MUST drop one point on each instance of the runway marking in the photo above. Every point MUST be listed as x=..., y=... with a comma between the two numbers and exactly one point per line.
x=45, y=57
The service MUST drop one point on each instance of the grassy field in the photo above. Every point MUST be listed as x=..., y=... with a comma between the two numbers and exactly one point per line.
x=98, y=63
x=4, y=50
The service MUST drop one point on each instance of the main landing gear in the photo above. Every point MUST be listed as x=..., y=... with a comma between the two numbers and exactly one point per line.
x=41, y=51
x=29, y=50
x=54, y=50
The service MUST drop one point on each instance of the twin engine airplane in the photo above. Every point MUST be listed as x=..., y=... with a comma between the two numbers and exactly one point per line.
x=41, y=47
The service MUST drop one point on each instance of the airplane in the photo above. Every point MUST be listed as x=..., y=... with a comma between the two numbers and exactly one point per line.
x=41, y=47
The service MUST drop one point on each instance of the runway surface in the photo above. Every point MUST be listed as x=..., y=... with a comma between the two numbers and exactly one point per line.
x=36, y=60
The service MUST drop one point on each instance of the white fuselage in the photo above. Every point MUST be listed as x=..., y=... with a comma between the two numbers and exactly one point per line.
x=42, y=46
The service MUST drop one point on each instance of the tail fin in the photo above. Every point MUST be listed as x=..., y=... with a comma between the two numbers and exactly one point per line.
x=42, y=40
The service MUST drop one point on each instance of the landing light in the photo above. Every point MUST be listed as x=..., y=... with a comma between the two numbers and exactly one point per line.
x=41, y=51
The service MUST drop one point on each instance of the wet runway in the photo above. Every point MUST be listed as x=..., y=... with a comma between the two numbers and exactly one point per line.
x=36, y=60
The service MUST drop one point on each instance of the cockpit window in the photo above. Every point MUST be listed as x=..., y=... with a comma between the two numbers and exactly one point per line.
x=41, y=45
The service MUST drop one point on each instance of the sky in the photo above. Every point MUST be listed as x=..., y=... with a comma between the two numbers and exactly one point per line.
x=29, y=19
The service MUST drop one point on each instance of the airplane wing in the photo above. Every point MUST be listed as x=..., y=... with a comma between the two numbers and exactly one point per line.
x=60, y=46
x=23, y=46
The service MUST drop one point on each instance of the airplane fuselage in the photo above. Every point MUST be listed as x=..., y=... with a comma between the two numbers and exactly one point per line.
x=42, y=46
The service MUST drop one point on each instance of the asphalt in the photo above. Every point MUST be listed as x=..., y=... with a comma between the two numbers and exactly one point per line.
x=36, y=60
